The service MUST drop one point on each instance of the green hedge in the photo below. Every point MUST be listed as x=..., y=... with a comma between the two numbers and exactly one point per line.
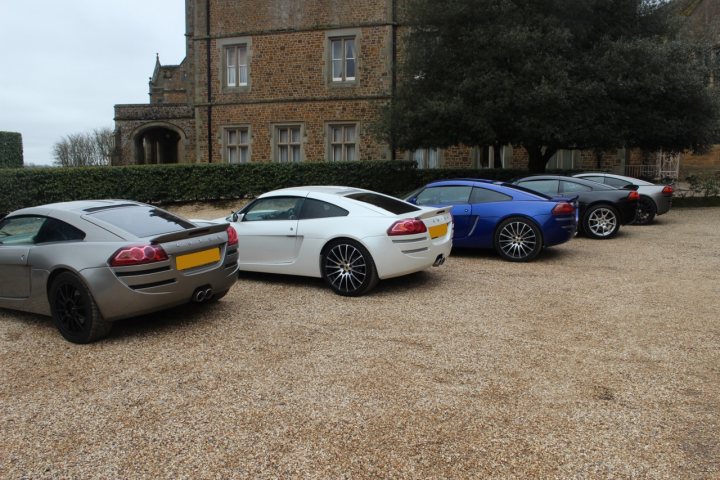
x=21, y=188
x=11, y=152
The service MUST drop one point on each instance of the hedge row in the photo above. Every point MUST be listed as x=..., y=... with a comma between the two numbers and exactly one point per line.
x=202, y=182
x=11, y=152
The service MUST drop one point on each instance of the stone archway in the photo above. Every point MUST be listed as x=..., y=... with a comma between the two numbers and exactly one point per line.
x=158, y=144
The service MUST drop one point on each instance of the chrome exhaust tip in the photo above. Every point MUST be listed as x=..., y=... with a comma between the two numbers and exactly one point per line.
x=439, y=260
x=199, y=296
x=208, y=294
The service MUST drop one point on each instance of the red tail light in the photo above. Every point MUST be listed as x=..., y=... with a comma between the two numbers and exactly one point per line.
x=232, y=237
x=563, y=208
x=633, y=196
x=138, y=255
x=409, y=226
x=668, y=191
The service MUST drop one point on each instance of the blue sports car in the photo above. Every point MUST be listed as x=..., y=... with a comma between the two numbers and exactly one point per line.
x=515, y=221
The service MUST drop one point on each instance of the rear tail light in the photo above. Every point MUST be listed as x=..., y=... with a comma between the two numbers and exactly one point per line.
x=668, y=191
x=633, y=196
x=138, y=255
x=409, y=226
x=232, y=237
x=563, y=208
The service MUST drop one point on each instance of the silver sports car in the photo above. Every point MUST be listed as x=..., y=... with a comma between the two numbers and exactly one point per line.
x=655, y=199
x=89, y=263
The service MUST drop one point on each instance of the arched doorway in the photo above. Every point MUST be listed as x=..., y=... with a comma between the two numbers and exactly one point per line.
x=156, y=145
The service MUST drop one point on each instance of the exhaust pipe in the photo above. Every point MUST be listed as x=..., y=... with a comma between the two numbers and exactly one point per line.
x=439, y=260
x=202, y=294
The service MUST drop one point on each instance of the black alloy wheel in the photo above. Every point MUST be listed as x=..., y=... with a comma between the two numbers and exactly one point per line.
x=601, y=222
x=646, y=212
x=518, y=240
x=348, y=268
x=74, y=310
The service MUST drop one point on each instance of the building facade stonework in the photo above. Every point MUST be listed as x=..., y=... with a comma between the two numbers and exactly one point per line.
x=291, y=80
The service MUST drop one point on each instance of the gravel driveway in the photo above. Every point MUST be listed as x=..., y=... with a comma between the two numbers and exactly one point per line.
x=601, y=359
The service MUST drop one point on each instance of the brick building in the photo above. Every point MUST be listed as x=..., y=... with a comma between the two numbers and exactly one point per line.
x=290, y=80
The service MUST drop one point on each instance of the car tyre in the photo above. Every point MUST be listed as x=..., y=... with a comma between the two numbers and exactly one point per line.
x=348, y=268
x=518, y=240
x=74, y=311
x=646, y=212
x=601, y=222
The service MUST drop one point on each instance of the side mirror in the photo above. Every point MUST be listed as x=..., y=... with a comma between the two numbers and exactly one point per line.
x=236, y=217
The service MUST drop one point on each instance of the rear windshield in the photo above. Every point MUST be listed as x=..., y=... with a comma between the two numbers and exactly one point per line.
x=143, y=221
x=392, y=205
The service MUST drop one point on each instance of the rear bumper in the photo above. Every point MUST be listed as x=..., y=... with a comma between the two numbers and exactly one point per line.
x=396, y=256
x=663, y=204
x=118, y=298
x=557, y=230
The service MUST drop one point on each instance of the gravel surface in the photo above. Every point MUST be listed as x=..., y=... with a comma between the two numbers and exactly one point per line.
x=599, y=360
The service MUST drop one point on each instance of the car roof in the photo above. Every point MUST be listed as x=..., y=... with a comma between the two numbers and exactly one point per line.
x=636, y=181
x=492, y=184
x=78, y=207
x=582, y=181
x=323, y=189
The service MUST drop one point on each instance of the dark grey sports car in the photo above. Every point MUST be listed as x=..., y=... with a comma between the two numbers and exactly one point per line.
x=602, y=208
x=89, y=263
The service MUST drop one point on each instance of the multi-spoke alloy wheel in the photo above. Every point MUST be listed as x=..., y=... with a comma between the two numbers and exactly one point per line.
x=601, y=222
x=348, y=268
x=518, y=240
x=74, y=311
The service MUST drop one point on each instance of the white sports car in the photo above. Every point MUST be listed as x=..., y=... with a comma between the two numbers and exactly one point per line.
x=350, y=237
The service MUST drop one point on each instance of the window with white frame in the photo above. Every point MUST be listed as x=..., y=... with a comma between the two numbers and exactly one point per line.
x=236, y=65
x=426, y=158
x=564, y=160
x=343, y=143
x=288, y=143
x=343, y=59
x=492, y=156
x=237, y=145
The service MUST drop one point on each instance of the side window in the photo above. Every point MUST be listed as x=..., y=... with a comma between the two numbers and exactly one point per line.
x=484, y=195
x=594, y=178
x=312, y=208
x=444, y=195
x=20, y=230
x=548, y=187
x=616, y=182
x=273, y=208
x=572, y=187
x=58, y=231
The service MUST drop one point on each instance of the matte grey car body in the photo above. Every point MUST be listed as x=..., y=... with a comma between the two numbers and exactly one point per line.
x=54, y=256
x=655, y=199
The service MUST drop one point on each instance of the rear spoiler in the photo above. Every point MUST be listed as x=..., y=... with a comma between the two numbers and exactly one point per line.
x=191, y=233
x=433, y=212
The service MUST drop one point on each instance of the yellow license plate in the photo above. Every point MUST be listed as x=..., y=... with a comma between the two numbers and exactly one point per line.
x=438, y=230
x=191, y=260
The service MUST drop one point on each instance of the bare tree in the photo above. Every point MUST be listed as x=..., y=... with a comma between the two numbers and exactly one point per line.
x=85, y=149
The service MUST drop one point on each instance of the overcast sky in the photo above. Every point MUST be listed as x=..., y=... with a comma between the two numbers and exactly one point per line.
x=65, y=64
